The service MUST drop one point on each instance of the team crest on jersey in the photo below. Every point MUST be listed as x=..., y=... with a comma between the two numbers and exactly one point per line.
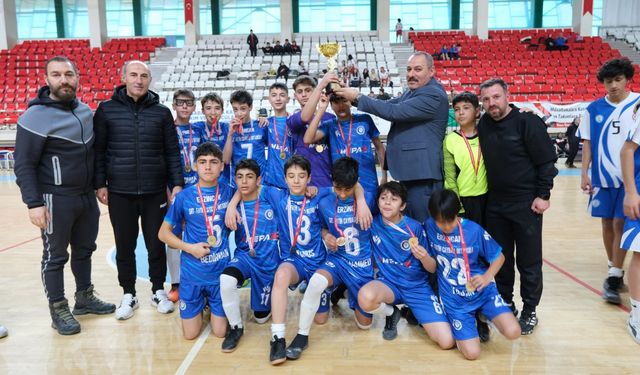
x=457, y=325
x=360, y=130
x=404, y=245
x=376, y=240
x=268, y=214
x=595, y=203
x=183, y=306
x=599, y=118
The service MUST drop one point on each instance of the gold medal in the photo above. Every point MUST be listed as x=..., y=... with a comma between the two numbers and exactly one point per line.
x=341, y=241
x=211, y=240
x=470, y=287
x=413, y=241
x=283, y=155
x=319, y=148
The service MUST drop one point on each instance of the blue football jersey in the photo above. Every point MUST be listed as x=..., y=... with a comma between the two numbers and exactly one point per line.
x=265, y=237
x=250, y=144
x=190, y=136
x=392, y=252
x=310, y=248
x=218, y=135
x=635, y=138
x=363, y=131
x=279, y=141
x=608, y=126
x=452, y=268
x=187, y=208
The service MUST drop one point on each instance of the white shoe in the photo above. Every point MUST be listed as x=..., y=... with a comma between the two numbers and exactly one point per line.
x=160, y=300
x=128, y=304
x=634, y=329
x=3, y=331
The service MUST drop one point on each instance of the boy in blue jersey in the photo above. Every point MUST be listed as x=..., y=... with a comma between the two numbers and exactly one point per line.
x=605, y=126
x=349, y=259
x=280, y=145
x=399, y=251
x=467, y=259
x=350, y=135
x=215, y=130
x=630, y=158
x=246, y=139
x=204, y=243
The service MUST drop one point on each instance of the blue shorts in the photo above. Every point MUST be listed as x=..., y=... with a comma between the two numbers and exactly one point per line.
x=631, y=235
x=424, y=304
x=463, y=318
x=351, y=276
x=304, y=274
x=261, y=279
x=192, y=299
x=607, y=203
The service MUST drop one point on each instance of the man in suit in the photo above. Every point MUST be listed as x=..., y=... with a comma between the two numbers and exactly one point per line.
x=418, y=123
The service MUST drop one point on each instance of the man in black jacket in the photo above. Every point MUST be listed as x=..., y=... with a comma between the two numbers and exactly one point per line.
x=519, y=159
x=252, y=41
x=137, y=157
x=54, y=169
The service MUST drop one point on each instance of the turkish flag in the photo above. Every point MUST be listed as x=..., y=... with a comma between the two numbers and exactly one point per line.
x=588, y=7
x=188, y=11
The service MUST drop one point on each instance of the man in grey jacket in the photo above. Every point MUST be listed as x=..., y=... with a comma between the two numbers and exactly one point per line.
x=54, y=169
x=418, y=124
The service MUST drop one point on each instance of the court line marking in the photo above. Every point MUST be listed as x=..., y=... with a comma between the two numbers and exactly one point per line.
x=195, y=349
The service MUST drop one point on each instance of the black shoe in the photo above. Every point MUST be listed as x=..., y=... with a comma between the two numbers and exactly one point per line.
x=483, y=327
x=406, y=313
x=622, y=288
x=88, y=303
x=61, y=318
x=278, y=352
x=297, y=346
x=390, y=331
x=611, y=292
x=232, y=338
x=528, y=321
x=338, y=294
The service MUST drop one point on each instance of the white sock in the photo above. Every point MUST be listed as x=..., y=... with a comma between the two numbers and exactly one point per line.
x=230, y=300
x=278, y=330
x=311, y=302
x=614, y=271
x=383, y=309
x=609, y=264
x=173, y=264
x=635, y=309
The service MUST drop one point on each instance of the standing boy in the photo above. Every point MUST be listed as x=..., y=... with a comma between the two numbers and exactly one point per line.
x=280, y=145
x=216, y=131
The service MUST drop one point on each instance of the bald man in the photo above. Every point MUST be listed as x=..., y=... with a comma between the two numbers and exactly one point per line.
x=137, y=157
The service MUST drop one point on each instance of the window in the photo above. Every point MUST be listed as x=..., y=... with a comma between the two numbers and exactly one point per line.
x=240, y=16
x=335, y=15
x=36, y=19
x=76, y=19
x=510, y=14
x=419, y=14
x=162, y=17
x=120, y=18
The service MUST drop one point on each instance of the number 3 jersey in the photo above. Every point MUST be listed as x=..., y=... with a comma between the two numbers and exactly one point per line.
x=452, y=274
x=188, y=208
x=608, y=126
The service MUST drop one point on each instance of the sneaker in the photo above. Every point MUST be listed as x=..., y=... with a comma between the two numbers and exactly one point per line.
x=128, y=304
x=61, y=318
x=232, y=338
x=262, y=320
x=297, y=346
x=338, y=294
x=483, y=327
x=88, y=303
x=406, y=313
x=623, y=288
x=174, y=293
x=160, y=300
x=3, y=332
x=302, y=287
x=611, y=292
x=390, y=330
x=634, y=330
x=528, y=321
x=278, y=352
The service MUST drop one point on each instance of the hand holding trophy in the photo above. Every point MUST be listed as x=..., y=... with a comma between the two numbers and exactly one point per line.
x=330, y=51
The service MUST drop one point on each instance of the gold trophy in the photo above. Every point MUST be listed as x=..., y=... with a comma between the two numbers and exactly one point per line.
x=330, y=51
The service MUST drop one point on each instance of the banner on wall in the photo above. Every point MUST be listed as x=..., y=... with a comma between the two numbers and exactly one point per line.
x=556, y=115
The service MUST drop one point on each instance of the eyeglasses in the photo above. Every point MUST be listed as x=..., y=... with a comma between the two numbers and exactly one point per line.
x=187, y=102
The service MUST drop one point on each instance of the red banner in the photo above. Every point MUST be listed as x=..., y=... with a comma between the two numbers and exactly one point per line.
x=588, y=7
x=188, y=11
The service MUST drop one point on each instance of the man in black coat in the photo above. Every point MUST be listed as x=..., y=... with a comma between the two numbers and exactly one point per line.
x=137, y=157
x=574, y=142
x=252, y=41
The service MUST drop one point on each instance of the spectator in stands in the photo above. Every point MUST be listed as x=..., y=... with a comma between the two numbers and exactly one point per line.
x=574, y=141
x=383, y=95
x=252, y=41
x=302, y=69
x=384, y=77
x=520, y=176
x=549, y=43
x=137, y=157
x=444, y=53
x=283, y=71
x=277, y=48
x=295, y=48
x=267, y=50
x=54, y=169
x=372, y=94
x=418, y=123
x=561, y=43
x=287, y=46
x=374, y=81
x=365, y=76
x=399, y=31
x=579, y=38
x=355, y=80
x=454, y=52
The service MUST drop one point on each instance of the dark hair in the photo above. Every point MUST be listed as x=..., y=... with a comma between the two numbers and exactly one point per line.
x=344, y=172
x=279, y=86
x=395, y=188
x=184, y=92
x=300, y=161
x=212, y=97
x=492, y=82
x=304, y=80
x=250, y=164
x=208, y=149
x=333, y=98
x=444, y=205
x=64, y=59
x=242, y=97
x=614, y=68
x=467, y=97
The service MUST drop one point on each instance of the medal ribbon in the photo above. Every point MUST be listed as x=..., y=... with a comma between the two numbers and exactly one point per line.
x=214, y=129
x=186, y=152
x=294, y=237
x=463, y=245
x=394, y=226
x=251, y=240
x=275, y=130
x=348, y=143
x=204, y=209
x=476, y=166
